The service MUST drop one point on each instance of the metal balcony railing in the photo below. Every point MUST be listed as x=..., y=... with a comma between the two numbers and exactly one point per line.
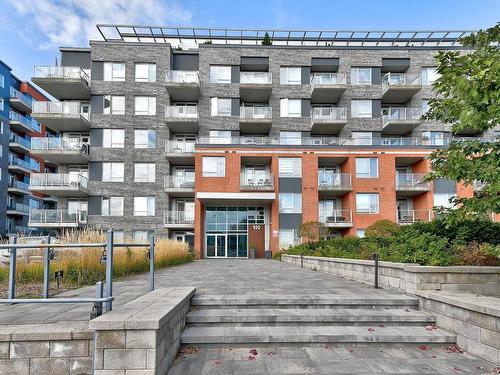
x=326, y=114
x=24, y=120
x=69, y=109
x=54, y=217
x=13, y=183
x=411, y=181
x=336, y=217
x=262, y=78
x=179, y=147
x=334, y=181
x=14, y=160
x=398, y=79
x=15, y=206
x=178, y=217
x=318, y=79
x=255, y=113
x=182, y=76
x=16, y=94
x=181, y=111
x=251, y=181
x=395, y=114
x=179, y=182
x=412, y=216
x=17, y=139
x=60, y=145
x=47, y=180
x=64, y=72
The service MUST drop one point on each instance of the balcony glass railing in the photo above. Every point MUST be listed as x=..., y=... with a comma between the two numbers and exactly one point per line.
x=178, y=217
x=335, y=217
x=181, y=111
x=182, y=76
x=334, y=181
x=325, y=114
x=405, y=216
x=70, y=109
x=15, y=206
x=184, y=182
x=24, y=120
x=54, y=217
x=55, y=180
x=256, y=181
x=60, y=145
x=255, y=113
x=19, y=140
x=398, y=79
x=181, y=147
x=328, y=79
x=15, y=161
x=410, y=181
x=16, y=94
x=64, y=72
x=395, y=114
x=16, y=184
x=262, y=78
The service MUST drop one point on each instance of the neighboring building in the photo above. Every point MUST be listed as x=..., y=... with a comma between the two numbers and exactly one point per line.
x=17, y=127
x=230, y=145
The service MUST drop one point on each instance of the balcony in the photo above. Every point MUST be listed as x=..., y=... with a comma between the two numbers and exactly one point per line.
x=23, y=124
x=328, y=120
x=178, y=219
x=59, y=184
x=183, y=85
x=17, y=187
x=327, y=87
x=255, y=87
x=60, y=150
x=56, y=218
x=63, y=116
x=63, y=82
x=180, y=152
x=336, y=218
x=412, y=216
x=182, y=118
x=334, y=184
x=399, y=88
x=409, y=184
x=179, y=186
x=19, y=144
x=256, y=182
x=255, y=119
x=17, y=165
x=20, y=101
x=17, y=209
x=400, y=120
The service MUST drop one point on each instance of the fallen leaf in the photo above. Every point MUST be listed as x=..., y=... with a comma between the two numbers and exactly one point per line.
x=350, y=350
x=434, y=356
x=380, y=325
x=423, y=347
x=270, y=354
x=251, y=357
x=452, y=349
x=253, y=351
x=371, y=330
x=218, y=362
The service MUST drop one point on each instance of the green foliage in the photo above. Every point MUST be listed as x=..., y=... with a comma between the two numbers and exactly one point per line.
x=313, y=230
x=469, y=98
x=382, y=228
x=267, y=40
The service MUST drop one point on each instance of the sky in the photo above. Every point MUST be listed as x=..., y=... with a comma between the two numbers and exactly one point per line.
x=32, y=30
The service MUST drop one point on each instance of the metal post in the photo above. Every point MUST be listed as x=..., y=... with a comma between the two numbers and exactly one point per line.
x=301, y=260
x=46, y=270
x=109, y=269
x=152, y=263
x=97, y=309
x=375, y=258
x=12, y=268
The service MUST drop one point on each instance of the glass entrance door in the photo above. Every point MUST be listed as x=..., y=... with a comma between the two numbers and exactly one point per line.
x=216, y=245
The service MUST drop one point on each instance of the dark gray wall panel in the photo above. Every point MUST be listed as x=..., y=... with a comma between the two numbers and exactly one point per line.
x=186, y=61
x=254, y=64
x=395, y=65
x=306, y=75
x=96, y=104
x=235, y=106
x=376, y=76
x=94, y=205
x=324, y=64
x=95, y=171
x=97, y=70
x=376, y=108
x=290, y=185
x=96, y=137
x=76, y=58
x=235, y=74
x=444, y=185
x=290, y=221
x=306, y=107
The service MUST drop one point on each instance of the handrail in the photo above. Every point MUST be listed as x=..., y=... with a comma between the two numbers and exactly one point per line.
x=14, y=93
x=179, y=182
x=323, y=78
x=181, y=147
x=181, y=111
x=335, y=181
x=398, y=79
x=335, y=216
x=178, y=217
x=17, y=139
x=61, y=108
x=65, y=72
x=182, y=76
x=262, y=78
x=59, y=144
x=320, y=114
x=250, y=181
x=256, y=112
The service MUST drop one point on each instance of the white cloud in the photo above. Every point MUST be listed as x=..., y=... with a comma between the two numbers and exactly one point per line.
x=72, y=22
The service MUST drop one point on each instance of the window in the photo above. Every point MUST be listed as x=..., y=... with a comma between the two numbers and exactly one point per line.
x=145, y=72
x=113, y=138
x=290, y=202
x=436, y=138
x=429, y=75
x=144, y=172
x=144, y=206
x=214, y=166
x=112, y=206
x=362, y=138
x=145, y=105
x=291, y=108
x=288, y=237
x=290, y=167
x=220, y=106
x=144, y=138
x=367, y=203
x=366, y=167
x=290, y=75
x=141, y=236
x=2, y=127
x=290, y=138
x=1, y=104
x=425, y=105
x=112, y=172
x=2, y=81
x=360, y=233
x=220, y=74
x=113, y=105
x=114, y=71
x=361, y=108
x=361, y=76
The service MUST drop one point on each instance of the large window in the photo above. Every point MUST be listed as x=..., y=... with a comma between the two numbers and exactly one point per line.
x=214, y=166
x=144, y=172
x=113, y=105
x=429, y=75
x=144, y=206
x=290, y=107
x=290, y=202
x=290, y=75
x=145, y=105
x=145, y=72
x=113, y=138
x=361, y=108
x=112, y=206
x=361, y=76
x=220, y=74
x=114, y=71
x=290, y=167
x=112, y=172
x=366, y=167
x=288, y=237
x=144, y=138
x=367, y=203
x=220, y=106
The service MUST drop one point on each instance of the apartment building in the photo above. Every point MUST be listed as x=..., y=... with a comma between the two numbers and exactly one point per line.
x=209, y=137
x=17, y=128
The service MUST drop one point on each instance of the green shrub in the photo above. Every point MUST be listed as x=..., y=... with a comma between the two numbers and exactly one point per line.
x=382, y=228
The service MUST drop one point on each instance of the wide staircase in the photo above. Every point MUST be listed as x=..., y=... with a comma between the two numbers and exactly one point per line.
x=256, y=319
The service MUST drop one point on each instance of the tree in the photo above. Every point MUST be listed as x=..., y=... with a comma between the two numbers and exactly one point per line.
x=267, y=40
x=313, y=231
x=468, y=97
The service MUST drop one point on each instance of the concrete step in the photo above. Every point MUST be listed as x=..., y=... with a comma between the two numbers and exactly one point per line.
x=249, y=317
x=224, y=334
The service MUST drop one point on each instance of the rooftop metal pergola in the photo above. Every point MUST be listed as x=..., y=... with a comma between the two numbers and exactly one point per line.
x=192, y=37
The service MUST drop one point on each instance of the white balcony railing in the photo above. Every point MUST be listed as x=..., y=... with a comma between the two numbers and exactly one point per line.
x=412, y=216
x=179, y=147
x=69, y=109
x=181, y=112
x=411, y=181
x=334, y=181
x=318, y=79
x=327, y=114
x=178, y=217
x=336, y=217
x=59, y=145
x=182, y=76
x=252, y=181
x=64, y=72
x=56, y=180
x=179, y=182
x=256, y=113
x=56, y=217
x=262, y=78
x=395, y=114
x=398, y=79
